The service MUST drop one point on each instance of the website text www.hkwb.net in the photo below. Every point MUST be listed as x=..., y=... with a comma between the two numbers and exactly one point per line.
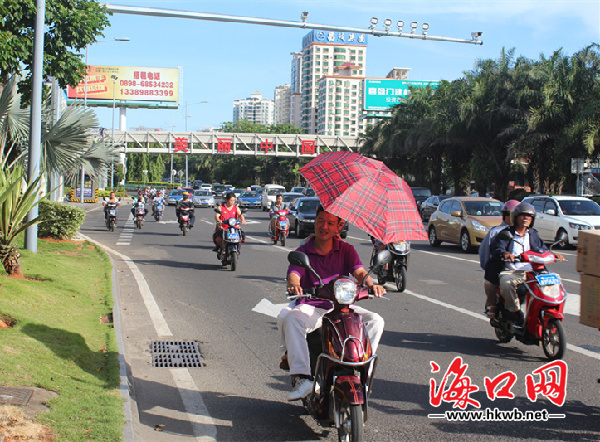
x=496, y=415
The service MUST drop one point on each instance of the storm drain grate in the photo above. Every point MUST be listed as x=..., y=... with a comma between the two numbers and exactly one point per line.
x=175, y=354
x=15, y=396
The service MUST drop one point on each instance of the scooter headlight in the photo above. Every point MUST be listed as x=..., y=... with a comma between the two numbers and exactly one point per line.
x=551, y=291
x=344, y=291
x=232, y=222
x=401, y=246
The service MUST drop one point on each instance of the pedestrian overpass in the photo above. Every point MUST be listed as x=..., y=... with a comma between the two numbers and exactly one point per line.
x=218, y=143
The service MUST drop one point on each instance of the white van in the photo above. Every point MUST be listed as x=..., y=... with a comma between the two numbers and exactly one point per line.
x=268, y=195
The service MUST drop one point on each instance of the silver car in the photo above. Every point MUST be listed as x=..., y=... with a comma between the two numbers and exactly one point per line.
x=203, y=198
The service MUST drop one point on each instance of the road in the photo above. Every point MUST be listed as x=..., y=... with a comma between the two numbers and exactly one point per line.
x=173, y=288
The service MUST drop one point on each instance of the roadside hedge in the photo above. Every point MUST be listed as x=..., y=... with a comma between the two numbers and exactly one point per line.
x=60, y=221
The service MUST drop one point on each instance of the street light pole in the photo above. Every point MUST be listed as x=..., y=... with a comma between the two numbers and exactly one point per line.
x=112, y=165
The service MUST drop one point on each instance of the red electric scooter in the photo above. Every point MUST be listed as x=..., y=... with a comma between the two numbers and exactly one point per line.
x=543, y=296
x=282, y=226
x=342, y=363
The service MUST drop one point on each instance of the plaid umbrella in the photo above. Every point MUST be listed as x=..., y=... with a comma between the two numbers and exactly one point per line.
x=366, y=193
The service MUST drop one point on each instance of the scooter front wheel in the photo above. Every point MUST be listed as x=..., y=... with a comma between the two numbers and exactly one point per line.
x=351, y=423
x=400, y=277
x=554, y=342
x=282, y=239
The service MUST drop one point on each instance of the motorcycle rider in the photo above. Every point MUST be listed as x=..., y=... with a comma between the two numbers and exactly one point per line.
x=157, y=199
x=111, y=199
x=140, y=197
x=226, y=211
x=503, y=270
x=330, y=257
x=485, y=255
x=186, y=202
x=277, y=205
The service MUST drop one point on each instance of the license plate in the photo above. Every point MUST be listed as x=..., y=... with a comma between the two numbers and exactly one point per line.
x=549, y=279
x=232, y=236
x=112, y=212
x=140, y=211
x=283, y=225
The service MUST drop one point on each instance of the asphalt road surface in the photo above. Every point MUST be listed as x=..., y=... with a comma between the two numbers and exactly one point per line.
x=172, y=288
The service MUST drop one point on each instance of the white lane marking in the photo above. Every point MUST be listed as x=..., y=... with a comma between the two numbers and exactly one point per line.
x=266, y=307
x=571, y=347
x=127, y=233
x=448, y=256
x=202, y=423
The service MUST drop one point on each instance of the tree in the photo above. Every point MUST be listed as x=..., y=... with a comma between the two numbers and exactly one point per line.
x=15, y=204
x=70, y=26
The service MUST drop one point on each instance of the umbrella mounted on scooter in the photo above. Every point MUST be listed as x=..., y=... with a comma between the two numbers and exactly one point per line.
x=366, y=193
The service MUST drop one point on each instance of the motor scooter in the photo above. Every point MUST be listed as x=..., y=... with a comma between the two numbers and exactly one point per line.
x=139, y=214
x=158, y=210
x=543, y=296
x=396, y=271
x=282, y=226
x=110, y=210
x=184, y=219
x=232, y=236
x=343, y=364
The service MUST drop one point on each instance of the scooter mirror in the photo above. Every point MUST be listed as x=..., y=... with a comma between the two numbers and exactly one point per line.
x=298, y=259
x=505, y=235
x=382, y=258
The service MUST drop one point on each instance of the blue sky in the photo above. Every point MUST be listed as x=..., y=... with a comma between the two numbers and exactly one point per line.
x=226, y=61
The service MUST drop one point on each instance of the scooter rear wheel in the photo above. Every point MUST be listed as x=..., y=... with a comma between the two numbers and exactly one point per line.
x=503, y=336
x=554, y=342
x=351, y=423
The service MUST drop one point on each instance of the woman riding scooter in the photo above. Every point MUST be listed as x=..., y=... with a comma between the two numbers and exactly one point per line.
x=226, y=211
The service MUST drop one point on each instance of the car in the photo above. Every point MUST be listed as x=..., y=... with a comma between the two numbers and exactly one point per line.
x=203, y=198
x=175, y=196
x=289, y=197
x=561, y=217
x=298, y=189
x=309, y=192
x=268, y=195
x=249, y=199
x=206, y=186
x=464, y=220
x=256, y=188
x=420, y=194
x=218, y=190
x=430, y=205
x=302, y=221
x=197, y=184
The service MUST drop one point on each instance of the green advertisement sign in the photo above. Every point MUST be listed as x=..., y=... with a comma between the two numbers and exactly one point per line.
x=384, y=94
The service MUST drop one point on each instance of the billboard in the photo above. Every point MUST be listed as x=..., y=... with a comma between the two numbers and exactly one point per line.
x=133, y=83
x=383, y=94
x=340, y=38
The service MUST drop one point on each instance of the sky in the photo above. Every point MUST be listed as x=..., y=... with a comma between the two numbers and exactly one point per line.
x=222, y=62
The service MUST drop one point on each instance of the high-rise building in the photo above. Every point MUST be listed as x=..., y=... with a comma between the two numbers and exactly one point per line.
x=323, y=55
x=282, y=104
x=255, y=109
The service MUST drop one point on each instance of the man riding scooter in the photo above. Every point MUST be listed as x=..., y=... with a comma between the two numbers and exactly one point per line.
x=276, y=206
x=503, y=269
x=485, y=255
x=186, y=203
x=330, y=257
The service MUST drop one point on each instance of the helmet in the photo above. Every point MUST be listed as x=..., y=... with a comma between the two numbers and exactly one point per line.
x=185, y=194
x=522, y=209
x=508, y=207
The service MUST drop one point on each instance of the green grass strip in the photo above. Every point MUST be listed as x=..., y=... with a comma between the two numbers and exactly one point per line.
x=59, y=341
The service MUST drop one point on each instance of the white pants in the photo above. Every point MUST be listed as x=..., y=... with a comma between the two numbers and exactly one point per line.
x=296, y=321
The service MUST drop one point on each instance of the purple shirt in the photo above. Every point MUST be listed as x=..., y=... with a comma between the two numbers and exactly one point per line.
x=342, y=260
